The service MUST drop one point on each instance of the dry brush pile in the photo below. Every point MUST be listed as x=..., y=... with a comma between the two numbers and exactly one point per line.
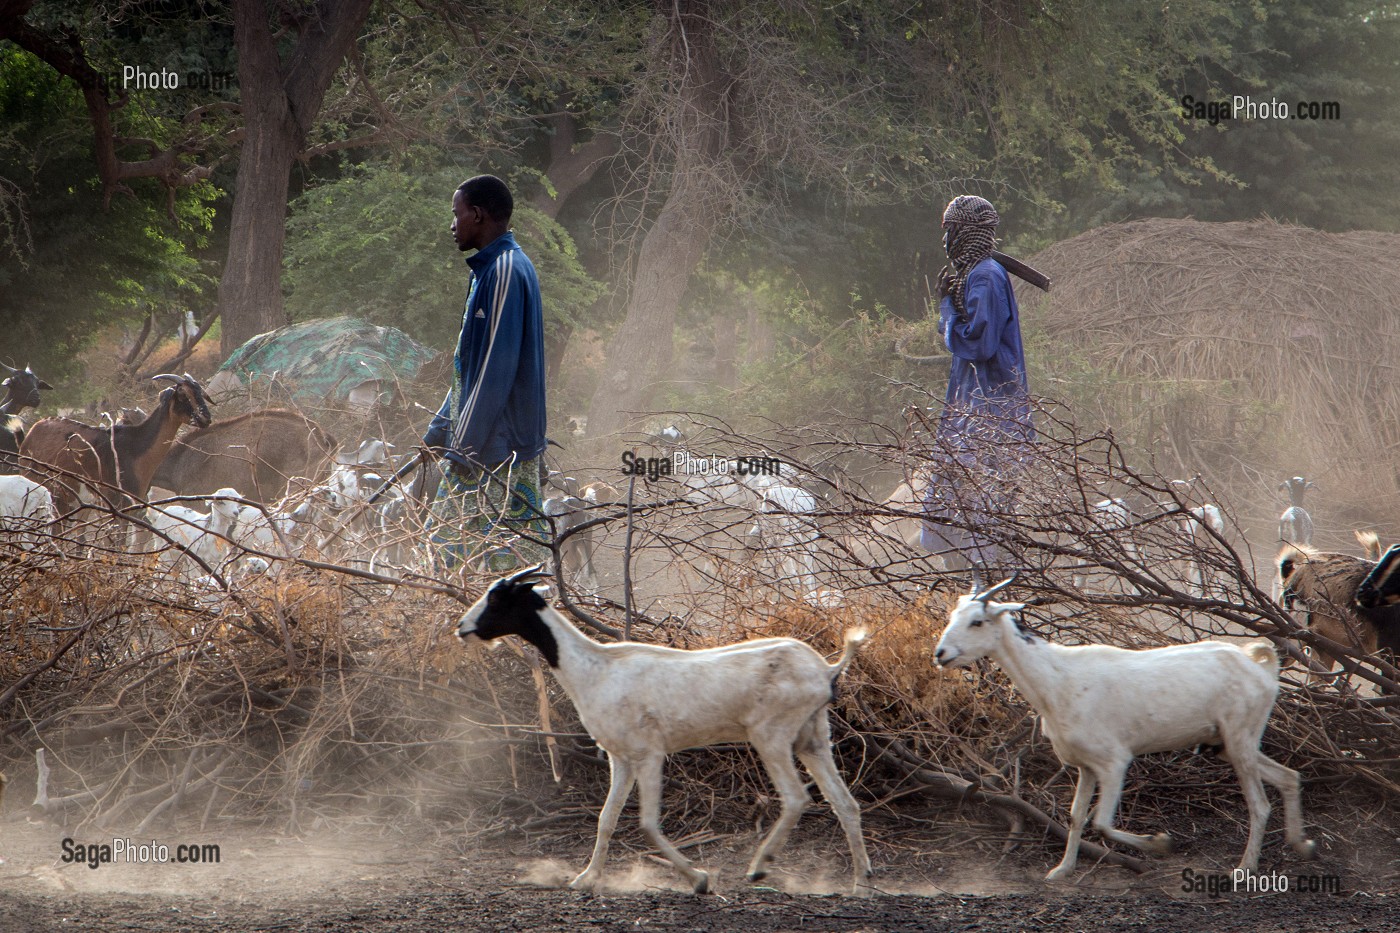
x=317, y=693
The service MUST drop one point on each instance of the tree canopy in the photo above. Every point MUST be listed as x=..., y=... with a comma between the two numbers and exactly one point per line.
x=672, y=162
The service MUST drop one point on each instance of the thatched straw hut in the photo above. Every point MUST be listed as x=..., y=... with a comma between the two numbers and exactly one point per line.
x=1248, y=351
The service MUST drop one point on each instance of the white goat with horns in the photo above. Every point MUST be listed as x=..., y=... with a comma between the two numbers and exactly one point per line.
x=643, y=702
x=1101, y=705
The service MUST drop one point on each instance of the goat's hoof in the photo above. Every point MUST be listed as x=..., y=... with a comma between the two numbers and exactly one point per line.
x=585, y=884
x=758, y=875
x=1161, y=844
x=1057, y=874
x=702, y=884
x=1306, y=849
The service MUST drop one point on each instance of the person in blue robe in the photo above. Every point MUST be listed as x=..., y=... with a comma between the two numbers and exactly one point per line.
x=985, y=428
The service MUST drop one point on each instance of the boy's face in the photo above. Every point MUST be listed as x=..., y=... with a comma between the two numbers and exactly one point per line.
x=467, y=223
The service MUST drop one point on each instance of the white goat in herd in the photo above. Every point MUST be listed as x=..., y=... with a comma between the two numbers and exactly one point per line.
x=643, y=702
x=1101, y=705
x=25, y=508
x=784, y=527
x=202, y=534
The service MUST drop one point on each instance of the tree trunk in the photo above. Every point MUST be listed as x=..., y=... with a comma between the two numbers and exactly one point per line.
x=726, y=349
x=250, y=291
x=642, y=349
x=280, y=98
x=571, y=165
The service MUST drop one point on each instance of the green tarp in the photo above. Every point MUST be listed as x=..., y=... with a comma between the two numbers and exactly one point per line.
x=325, y=362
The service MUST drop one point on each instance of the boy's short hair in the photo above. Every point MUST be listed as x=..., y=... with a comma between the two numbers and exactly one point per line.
x=490, y=194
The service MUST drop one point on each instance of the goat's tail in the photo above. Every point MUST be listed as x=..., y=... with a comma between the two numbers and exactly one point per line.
x=1370, y=543
x=854, y=637
x=1262, y=652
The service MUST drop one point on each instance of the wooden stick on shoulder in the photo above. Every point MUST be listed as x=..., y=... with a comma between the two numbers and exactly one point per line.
x=1019, y=269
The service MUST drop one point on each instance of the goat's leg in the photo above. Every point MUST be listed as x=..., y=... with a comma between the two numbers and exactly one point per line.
x=1078, y=812
x=1327, y=661
x=618, y=792
x=809, y=568
x=649, y=790
x=814, y=749
x=776, y=753
x=1110, y=791
x=1247, y=769
x=1286, y=780
x=1196, y=578
x=587, y=575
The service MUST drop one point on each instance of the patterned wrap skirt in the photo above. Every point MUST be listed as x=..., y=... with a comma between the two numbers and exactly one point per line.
x=485, y=517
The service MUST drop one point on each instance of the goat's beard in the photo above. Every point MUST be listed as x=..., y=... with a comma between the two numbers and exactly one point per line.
x=476, y=645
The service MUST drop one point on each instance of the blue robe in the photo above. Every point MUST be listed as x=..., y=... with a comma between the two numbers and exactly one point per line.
x=986, y=423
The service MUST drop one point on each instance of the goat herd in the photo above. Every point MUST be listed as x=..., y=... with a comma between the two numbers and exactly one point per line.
x=1099, y=705
x=59, y=469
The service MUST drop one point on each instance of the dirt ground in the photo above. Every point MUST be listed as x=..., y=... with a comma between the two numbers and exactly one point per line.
x=265, y=882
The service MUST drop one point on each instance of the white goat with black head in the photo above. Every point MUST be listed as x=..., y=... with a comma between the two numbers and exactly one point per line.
x=643, y=702
x=1295, y=525
x=1101, y=706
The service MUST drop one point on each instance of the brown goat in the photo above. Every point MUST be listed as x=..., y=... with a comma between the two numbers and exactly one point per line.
x=256, y=454
x=1325, y=586
x=115, y=462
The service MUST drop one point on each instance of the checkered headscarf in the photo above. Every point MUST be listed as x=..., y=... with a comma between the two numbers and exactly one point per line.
x=969, y=225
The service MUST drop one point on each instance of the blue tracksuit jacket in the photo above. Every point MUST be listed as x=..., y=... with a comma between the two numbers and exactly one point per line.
x=497, y=408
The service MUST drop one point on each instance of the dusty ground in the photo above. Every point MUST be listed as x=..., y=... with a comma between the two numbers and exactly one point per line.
x=264, y=882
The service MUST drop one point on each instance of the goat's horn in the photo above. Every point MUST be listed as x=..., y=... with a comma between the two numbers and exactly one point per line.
x=527, y=573
x=170, y=376
x=983, y=597
x=9, y=367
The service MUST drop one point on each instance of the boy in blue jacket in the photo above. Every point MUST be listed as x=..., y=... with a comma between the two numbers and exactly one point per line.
x=490, y=430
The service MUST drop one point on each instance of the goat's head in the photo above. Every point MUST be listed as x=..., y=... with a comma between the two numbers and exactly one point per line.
x=371, y=452
x=1381, y=587
x=226, y=502
x=23, y=388
x=1296, y=486
x=1291, y=561
x=511, y=607
x=975, y=626
x=186, y=399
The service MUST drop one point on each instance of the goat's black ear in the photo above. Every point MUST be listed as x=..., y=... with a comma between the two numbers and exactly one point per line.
x=45, y=386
